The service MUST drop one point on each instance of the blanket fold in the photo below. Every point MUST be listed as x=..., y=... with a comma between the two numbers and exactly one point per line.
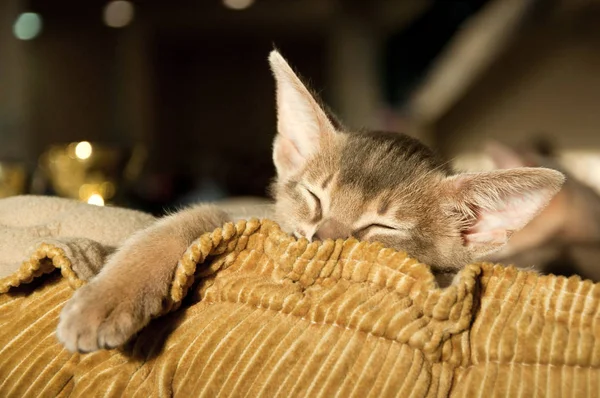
x=254, y=312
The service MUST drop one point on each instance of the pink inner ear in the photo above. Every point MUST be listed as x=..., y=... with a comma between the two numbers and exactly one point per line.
x=493, y=226
x=287, y=156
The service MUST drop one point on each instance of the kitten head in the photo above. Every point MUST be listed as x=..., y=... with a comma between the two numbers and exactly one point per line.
x=391, y=188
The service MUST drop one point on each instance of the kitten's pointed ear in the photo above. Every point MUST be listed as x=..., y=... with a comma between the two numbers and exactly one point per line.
x=493, y=205
x=302, y=125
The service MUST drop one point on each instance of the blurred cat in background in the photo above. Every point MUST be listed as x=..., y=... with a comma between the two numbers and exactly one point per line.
x=564, y=238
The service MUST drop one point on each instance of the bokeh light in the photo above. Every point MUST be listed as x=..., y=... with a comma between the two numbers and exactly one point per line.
x=96, y=199
x=83, y=150
x=27, y=26
x=238, y=4
x=118, y=13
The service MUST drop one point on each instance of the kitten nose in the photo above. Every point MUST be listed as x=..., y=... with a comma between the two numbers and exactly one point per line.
x=332, y=229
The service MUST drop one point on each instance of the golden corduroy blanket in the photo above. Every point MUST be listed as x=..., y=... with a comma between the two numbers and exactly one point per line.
x=270, y=315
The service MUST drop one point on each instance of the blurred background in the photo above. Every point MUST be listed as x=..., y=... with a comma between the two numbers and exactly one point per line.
x=152, y=104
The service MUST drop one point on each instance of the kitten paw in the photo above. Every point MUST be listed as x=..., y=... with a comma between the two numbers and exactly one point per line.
x=100, y=318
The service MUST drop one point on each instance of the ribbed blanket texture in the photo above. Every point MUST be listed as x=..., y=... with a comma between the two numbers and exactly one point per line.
x=254, y=312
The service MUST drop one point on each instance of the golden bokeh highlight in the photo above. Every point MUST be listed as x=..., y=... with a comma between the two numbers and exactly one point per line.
x=96, y=199
x=83, y=150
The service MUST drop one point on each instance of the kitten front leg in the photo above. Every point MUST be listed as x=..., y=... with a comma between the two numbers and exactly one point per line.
x=129, y=290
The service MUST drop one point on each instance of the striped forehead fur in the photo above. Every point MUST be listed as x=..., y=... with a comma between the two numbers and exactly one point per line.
x=376, y=161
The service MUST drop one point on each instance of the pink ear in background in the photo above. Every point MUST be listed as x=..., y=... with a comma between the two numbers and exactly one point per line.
x=503, y=156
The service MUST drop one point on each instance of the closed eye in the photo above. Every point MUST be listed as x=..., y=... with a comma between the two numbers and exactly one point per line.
x=317, y=212
x=373, y=227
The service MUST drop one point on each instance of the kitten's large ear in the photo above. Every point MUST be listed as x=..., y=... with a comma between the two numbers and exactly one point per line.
x=495, y=204
x=302, y=125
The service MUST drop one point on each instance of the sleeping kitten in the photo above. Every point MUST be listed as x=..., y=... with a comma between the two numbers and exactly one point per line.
x=565, y=237
x=330, y=184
